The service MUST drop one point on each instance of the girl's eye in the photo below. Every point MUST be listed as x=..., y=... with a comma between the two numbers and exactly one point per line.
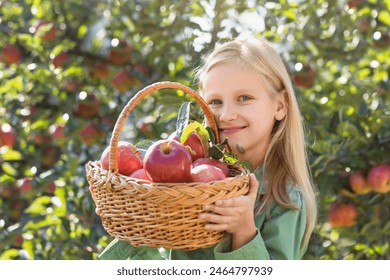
x=244, y=98
x=215, y=102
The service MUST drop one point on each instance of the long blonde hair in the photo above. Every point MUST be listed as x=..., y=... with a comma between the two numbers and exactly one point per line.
x=286, y=157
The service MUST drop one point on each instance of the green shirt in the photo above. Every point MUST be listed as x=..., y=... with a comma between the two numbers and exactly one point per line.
x=279, y=237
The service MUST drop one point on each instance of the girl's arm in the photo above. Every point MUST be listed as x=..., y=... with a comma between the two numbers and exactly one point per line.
x=279, y=237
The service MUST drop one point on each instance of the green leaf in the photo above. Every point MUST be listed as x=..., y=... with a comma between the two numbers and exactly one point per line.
x=215, y=152
x=246, y=164
x=384, y=16
x=144, y=144
x=200, y=130
x=9, y=254
x=213, y=139
x=11, y=154
x=38, y=205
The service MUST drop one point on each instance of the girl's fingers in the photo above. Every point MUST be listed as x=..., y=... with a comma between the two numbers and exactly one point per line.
x=216, y=227
x=238, y=201
x=253, y=186
x=225, y=211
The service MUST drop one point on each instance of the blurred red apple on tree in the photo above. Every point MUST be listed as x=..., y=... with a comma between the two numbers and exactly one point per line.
x=100, y=71
x=50, y=155
x=60, y=60
x=381, y=39
x=124, y=80
x=129, y=158
x=87, y=105
x=26, y=185
x=358, y=183
x=7, y=135
x=354, y=3
x=121, y=53
x=342, y=214
x=91, y=134
x=70, y=85
x=378, y=178
x=304, y=77
x=206, y=173
x=11, y=54
x=48, y=32
x=57, y=132
x=168, y=161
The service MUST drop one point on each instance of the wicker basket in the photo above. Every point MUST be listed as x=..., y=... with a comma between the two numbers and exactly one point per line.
x=159, y=214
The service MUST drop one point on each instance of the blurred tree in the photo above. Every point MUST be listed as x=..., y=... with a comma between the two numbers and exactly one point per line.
x=68, y=68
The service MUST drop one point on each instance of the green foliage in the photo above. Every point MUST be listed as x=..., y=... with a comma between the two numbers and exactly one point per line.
x=63, y=110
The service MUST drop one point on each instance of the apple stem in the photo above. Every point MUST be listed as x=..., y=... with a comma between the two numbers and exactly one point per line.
x=166, y=147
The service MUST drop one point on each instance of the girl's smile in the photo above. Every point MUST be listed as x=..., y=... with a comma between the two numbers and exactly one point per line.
x=231, y=129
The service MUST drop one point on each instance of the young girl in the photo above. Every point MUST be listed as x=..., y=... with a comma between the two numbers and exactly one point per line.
x=248, y=89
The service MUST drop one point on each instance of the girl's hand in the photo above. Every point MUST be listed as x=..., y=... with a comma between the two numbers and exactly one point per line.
x=92, y=191
x=234, y=215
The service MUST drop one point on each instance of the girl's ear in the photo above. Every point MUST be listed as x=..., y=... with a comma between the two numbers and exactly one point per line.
x=282, y=108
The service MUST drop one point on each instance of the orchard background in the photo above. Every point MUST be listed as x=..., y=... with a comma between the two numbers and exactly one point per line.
x=67, y=68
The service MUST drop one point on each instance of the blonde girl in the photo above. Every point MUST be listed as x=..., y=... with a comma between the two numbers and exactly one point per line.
x=248, y=89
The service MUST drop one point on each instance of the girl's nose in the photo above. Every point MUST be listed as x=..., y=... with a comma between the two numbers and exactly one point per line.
x=227, y=114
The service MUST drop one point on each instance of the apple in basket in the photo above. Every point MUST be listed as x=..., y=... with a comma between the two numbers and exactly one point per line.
x=140, y=174
x=168, y=161
x=129, y=158
x=206, y=173
x=193, y=144
x=214, y=162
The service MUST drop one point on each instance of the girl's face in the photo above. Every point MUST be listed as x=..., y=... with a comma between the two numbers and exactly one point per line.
x=244, y=110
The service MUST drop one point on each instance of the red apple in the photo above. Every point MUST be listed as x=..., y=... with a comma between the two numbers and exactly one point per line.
x=381, y=40
x=358, y=183
x=16, y=211
x=206, y=173
x=120, y=54
x=50, y=155
x=60, y=59
x=91, y=134
x=378, y=178
x=342, y=214
x=7, y=135
x=140, y=174
x=70, y=85
x=11, y=54
x=168, y=161
x=195, y=144
x=51, y=187
x=100, y=71
x=26, y=185
x=142, y=69
x=354, y=3
x=214, y=162
x=305, y=77
x=48, y=35
x=123, y=81
x=57, y=132
x=87, y=107
x=129, y=158
x=19, y=240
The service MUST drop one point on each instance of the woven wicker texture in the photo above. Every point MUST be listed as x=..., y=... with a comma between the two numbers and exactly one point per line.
x=159, y=214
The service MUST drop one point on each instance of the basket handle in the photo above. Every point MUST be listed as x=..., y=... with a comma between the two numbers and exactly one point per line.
x=113, y=164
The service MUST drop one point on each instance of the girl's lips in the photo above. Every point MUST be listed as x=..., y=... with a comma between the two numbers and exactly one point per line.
x=231, y=130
